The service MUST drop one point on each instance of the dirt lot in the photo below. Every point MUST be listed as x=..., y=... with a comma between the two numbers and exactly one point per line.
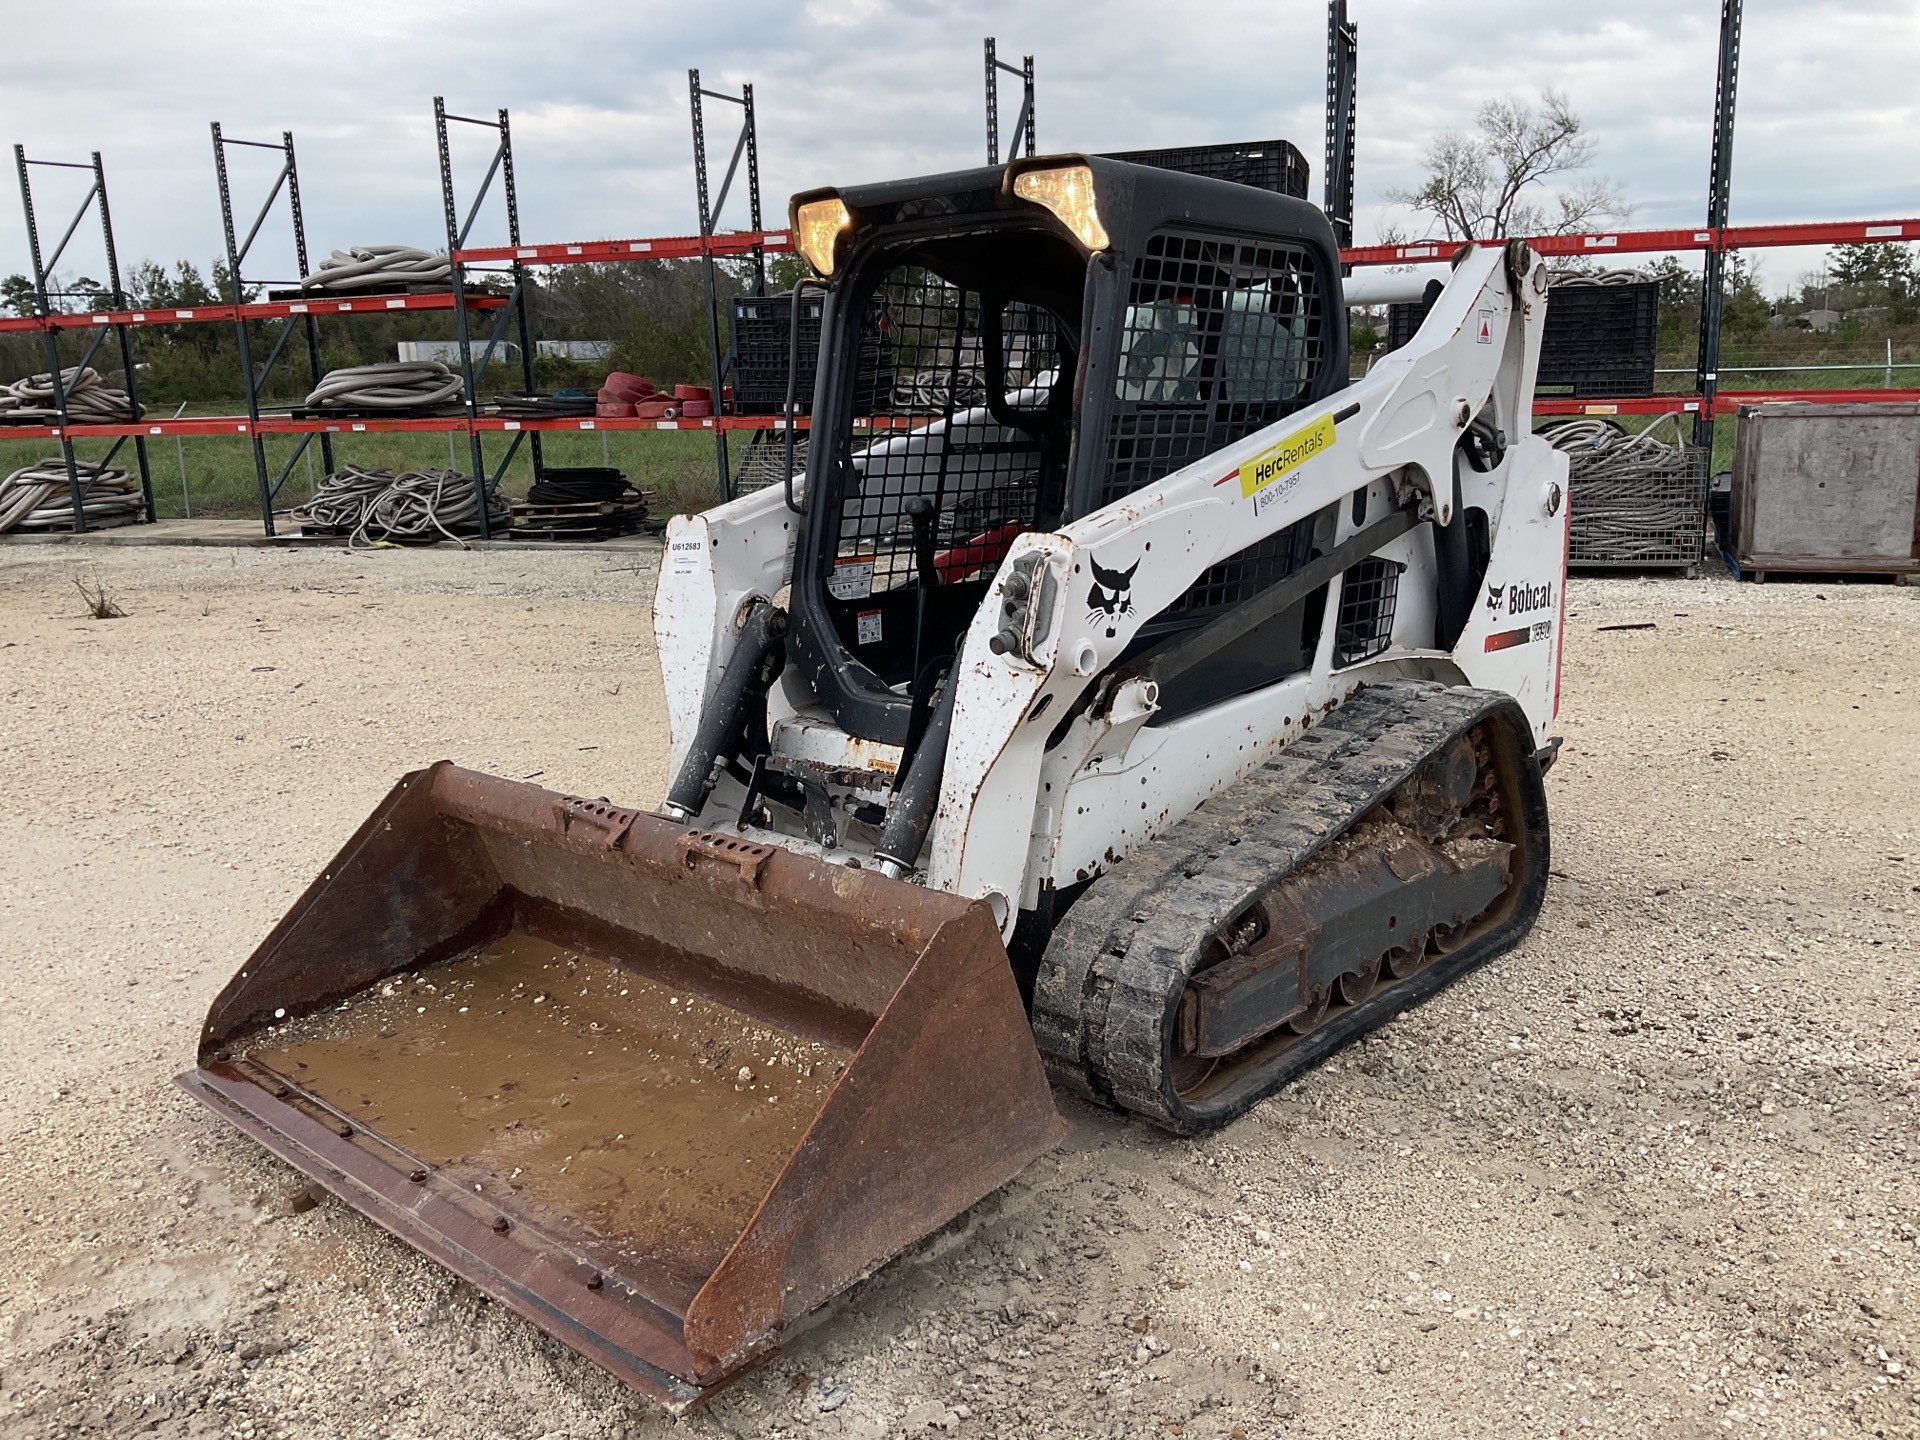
x=1655, y=1173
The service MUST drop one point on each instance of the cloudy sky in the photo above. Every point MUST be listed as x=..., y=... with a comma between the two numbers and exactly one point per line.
x=851, y=90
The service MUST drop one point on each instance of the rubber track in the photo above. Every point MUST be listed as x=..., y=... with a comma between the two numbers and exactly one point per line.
x=1122, y=955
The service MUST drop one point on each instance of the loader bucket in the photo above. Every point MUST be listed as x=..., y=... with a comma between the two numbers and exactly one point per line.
x=661, y=1091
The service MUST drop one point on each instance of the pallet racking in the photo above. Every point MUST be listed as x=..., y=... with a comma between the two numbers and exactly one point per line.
x=44, y=316
x=513, y=260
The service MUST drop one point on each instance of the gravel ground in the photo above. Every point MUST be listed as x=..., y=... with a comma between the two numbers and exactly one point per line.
x=1654, y=1173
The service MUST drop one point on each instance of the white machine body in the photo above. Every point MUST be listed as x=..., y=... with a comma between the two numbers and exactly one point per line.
x=1022, y=806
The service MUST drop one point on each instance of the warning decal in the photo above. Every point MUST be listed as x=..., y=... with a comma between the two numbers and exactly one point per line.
x=851, y=579
x=1484, y=334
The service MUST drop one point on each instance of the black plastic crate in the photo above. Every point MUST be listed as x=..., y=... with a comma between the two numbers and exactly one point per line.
x=761, y=351
x=1599, y=338
x=1264, y=164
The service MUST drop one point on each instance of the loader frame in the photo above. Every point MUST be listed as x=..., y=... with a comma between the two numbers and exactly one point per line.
x=1060, y=759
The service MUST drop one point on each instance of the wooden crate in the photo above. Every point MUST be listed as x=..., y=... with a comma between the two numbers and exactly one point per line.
x=1827, y=488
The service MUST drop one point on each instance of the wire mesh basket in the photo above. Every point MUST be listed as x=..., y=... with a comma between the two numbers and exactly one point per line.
x=1639, y=501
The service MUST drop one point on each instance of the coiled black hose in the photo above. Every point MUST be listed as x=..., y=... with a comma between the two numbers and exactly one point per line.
x=581, y=485
x=539, y=407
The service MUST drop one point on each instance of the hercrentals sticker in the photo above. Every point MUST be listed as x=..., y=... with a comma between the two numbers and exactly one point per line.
x=1289, y=454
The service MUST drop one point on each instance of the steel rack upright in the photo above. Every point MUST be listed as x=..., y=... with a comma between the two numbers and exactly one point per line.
x=516, y=307
x=1706, y=378
x=253, y=381
x=1343, y=65
x=748, y=144
x=43, y=297
x=1023, y=123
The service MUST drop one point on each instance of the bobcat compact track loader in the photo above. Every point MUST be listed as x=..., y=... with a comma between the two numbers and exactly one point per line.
x=1121, y=696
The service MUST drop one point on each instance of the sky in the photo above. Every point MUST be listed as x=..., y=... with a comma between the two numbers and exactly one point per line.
x=857, y=90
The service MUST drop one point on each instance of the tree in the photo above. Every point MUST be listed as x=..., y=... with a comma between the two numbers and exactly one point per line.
x=17, y=292
x=1480, y=186
x=1886, y=269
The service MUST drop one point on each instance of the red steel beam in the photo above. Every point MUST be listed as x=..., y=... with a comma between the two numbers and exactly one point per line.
x=674, y=247
x=257, y=310
x=1726, y=402
x=1642, y=242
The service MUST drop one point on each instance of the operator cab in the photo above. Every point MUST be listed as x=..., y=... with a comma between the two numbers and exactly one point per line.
x=1005, y=350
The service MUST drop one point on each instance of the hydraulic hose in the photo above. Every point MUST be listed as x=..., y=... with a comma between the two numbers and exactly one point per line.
x=910, y=816
x=1454, y=604
x=365, y=267
x=402, y=385
x=544, y=407
x=581, y=485
x=757, y=658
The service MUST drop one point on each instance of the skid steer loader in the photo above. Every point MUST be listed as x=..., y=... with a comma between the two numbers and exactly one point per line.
x=1121, y=697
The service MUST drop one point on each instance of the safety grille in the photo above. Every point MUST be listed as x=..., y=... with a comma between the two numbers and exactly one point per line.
x=1242, y=576
x=1222, y=338
x=938, y=443
x=1367, y=599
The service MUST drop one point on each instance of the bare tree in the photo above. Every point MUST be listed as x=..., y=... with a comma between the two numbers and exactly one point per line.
x=1478, y=185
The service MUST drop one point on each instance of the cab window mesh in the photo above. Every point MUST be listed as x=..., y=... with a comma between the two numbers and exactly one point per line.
x=1222, y=338
x=936, y=441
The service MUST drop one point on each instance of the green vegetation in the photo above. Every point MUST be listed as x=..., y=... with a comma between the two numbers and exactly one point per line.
x=100, y=604
x=678, y=466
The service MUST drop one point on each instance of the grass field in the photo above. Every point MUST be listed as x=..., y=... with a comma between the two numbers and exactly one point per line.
x=214, y=477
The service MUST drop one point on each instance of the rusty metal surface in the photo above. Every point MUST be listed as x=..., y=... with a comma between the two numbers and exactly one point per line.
x=1374, y=889
x=660, y=1091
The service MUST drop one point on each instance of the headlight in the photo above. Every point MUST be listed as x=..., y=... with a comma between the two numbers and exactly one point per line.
x=817, y=228
x=1068, y=192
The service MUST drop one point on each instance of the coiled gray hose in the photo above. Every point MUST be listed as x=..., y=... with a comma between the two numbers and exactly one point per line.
x=341, y=500
x=1600, y=277
x=1635, y=498
x=36, y=496
x=371, y=505
x=90, y=400
x=401, y=385
x=363, y=267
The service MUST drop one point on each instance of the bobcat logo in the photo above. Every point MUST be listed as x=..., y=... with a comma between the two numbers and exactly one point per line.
x=1112, y=592
x=1495, y=594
